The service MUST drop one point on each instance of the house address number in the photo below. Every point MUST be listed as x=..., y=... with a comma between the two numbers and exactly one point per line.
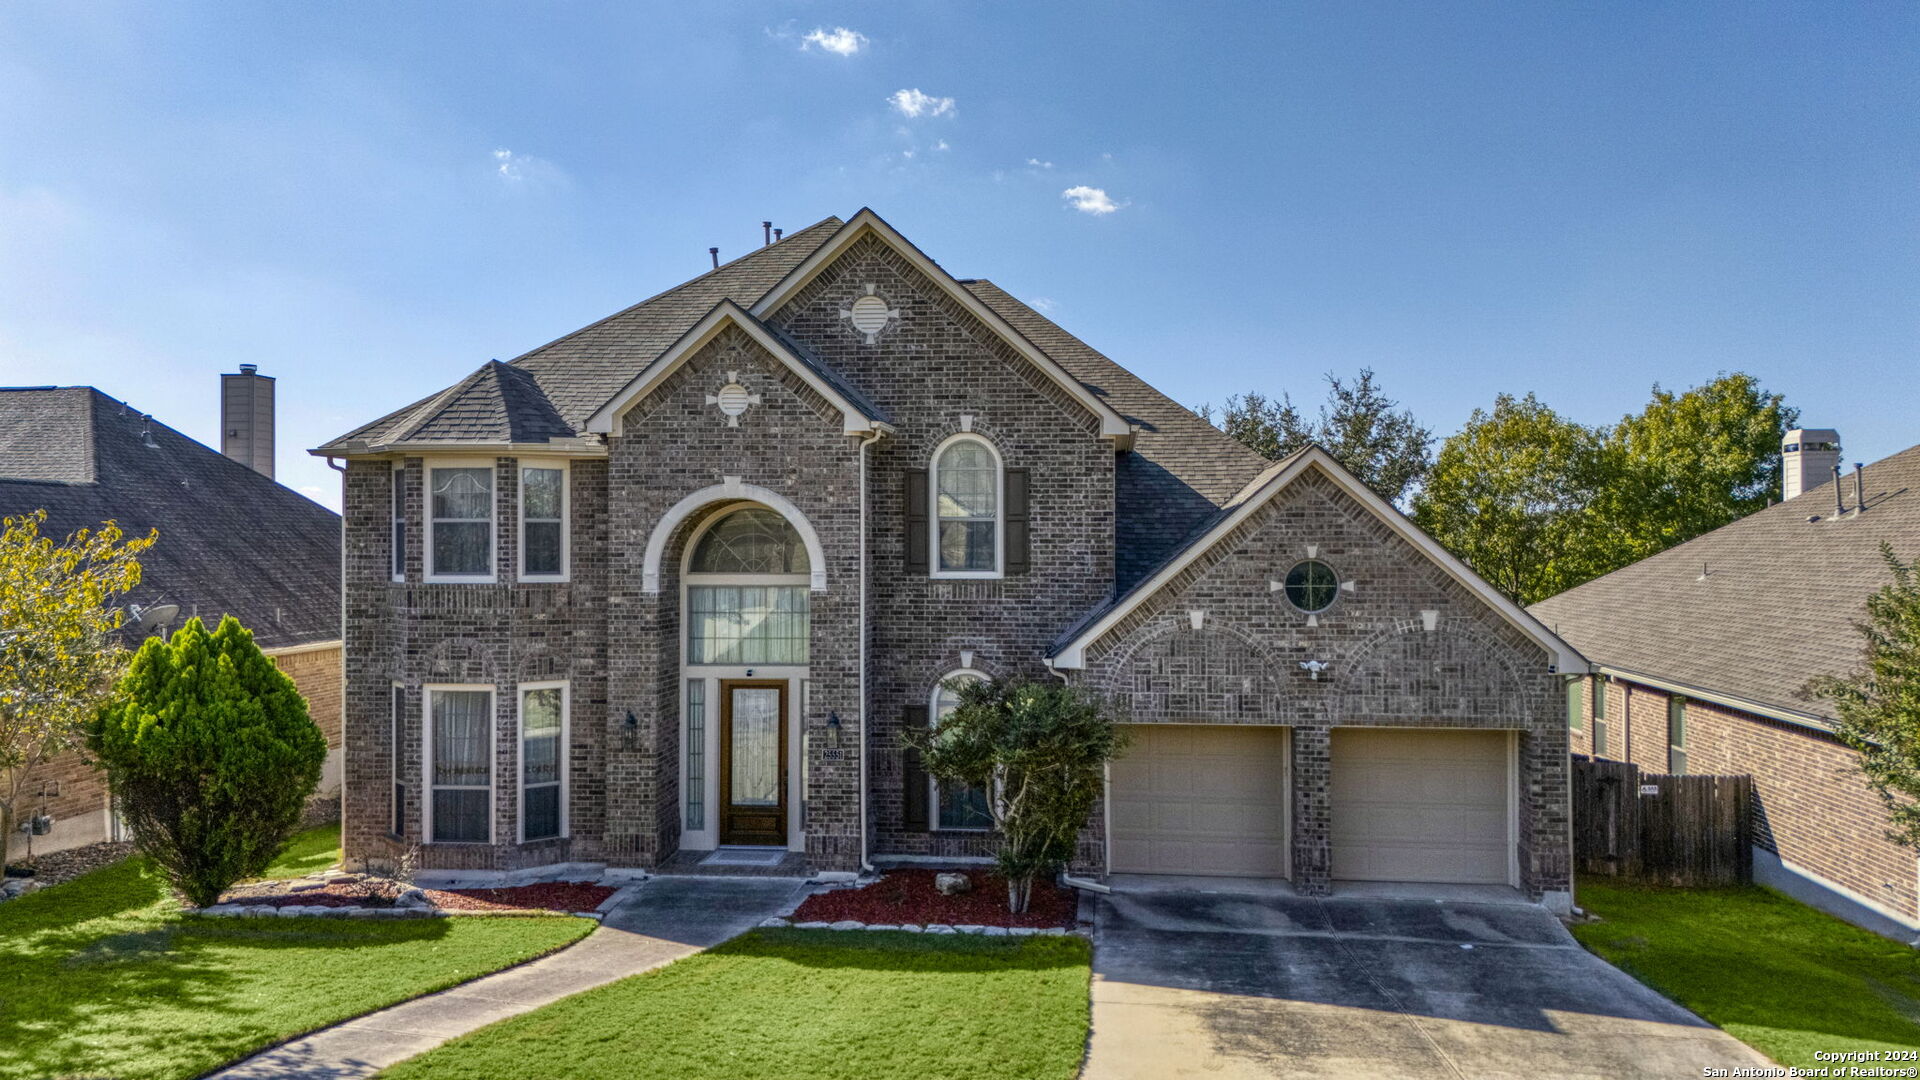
x=1649, y=789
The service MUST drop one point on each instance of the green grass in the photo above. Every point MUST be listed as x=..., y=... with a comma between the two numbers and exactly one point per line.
x=805, y=1005
x=307, y=853
x=1777, y=975
x=103, y=976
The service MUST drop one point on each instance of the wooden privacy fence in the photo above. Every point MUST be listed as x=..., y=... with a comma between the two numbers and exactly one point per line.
x=1670, y=830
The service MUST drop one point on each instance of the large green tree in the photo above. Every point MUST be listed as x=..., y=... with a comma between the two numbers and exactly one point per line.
x=1510, y=495
x=1537, y=503
x=1363, y=428
x=1879, y=705
x=211, y=754
x=59, y=613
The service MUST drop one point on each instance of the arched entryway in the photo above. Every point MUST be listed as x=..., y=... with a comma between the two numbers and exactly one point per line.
x=745, y=637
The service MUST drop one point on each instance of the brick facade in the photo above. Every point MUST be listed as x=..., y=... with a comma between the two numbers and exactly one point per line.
x=615, y=633
x=1387, y=669
x=1811, y=806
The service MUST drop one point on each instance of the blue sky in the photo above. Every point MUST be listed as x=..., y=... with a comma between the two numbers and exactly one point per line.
x=371, y=199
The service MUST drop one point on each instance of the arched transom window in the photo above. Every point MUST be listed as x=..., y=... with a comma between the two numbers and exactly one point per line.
x=966, y=509
x=747, y=592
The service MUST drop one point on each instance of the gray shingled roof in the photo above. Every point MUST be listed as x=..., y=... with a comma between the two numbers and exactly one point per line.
x=1756, y=608
x=1181, y=469
x=580, y=372
x=231, y=540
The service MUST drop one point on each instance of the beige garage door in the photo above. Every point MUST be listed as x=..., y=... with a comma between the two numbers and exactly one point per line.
x=1191, y=799
x=1420, y=806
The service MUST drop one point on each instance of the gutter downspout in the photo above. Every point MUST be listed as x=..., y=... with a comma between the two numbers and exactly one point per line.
x=872, y=436
x=342, y=470
x=1106, y=781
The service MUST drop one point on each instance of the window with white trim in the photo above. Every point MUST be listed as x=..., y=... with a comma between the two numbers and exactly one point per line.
x=396, y=761
x=543, y=522
x=956, y=806
x=543, y=761
x=747, y=592
x=966, y=486
x=459, y=764
x=399, y=522
x=460, y=522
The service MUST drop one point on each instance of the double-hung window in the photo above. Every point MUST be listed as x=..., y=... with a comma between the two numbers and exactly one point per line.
x=966, y=509
x=399, y=522
x=543, y=522
x=459, y=764
x=1677, y=735
x=543, y=761
x=460, y=523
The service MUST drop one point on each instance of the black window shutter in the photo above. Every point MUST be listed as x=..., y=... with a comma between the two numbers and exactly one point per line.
x=1019, y=561
x=913, y=783
x=918, y=522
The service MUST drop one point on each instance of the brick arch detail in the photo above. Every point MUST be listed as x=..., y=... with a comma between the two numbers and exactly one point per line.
x=1169, y=671
x=732, y=489
x=1454, y=671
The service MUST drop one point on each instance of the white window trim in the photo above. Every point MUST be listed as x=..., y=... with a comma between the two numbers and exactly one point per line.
x=426, y=761
x=999, y=511
x=396, y=823
x=933, y=784
x=493, y=522
x=520, y=758
x=397, y=525
x=566, y=515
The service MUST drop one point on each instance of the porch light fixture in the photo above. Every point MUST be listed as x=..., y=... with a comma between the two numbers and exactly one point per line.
x=1313, y=668
x=833, y=729
x=631, y=737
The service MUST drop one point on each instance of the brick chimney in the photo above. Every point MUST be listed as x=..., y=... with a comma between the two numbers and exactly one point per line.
x=246, y=418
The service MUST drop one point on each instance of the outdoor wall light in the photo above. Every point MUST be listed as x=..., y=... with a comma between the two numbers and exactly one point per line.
x=631, y=736
x=833, y=729
x=1313, y=668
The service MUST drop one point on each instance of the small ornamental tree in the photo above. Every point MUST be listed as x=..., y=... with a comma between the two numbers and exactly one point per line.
x=59, y=613
x=212, y=755
x=1879, y=706
x=1041, y=749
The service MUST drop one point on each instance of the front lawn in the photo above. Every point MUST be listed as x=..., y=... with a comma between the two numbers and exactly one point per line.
x=103, y=976
x=307, y=853
x=1777, y=975
x=805, y=1005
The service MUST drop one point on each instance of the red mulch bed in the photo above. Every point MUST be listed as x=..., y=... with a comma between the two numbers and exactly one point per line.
x=548, y=896
x=908, y=896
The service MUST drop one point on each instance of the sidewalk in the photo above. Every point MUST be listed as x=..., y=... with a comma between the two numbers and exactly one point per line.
x=663, y=920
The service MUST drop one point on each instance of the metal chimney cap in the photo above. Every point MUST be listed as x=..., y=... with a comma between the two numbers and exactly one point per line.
x=248, y=369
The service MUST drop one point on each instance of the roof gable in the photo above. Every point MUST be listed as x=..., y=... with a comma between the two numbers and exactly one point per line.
x=1070, y=651
x=857, y=416
x=867, y=223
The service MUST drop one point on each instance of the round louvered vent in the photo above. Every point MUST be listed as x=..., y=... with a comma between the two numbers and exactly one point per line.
x=870, y=315
x=733, y=399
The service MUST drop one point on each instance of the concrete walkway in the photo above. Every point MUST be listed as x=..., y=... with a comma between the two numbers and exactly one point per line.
x=663, y=920
x=1227, y=983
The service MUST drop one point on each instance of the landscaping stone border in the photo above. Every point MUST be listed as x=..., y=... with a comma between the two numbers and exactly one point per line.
x=932, y=928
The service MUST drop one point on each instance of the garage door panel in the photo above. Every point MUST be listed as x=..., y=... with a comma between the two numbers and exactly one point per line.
x=1420, y=805
x=1201, y=800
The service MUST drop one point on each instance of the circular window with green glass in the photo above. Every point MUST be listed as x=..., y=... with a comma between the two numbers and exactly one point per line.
x=1312, y=586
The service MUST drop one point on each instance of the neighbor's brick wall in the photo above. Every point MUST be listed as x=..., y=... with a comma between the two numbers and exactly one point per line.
x=935, y=364
x=1811, y=806
x=1474, y=670
x=316, y=672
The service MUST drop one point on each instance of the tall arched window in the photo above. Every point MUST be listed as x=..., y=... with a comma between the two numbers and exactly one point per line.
x=747, y=591
x=956, y=806
x=966, y=509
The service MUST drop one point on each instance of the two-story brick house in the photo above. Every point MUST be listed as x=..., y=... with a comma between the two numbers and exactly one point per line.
x=666, y=591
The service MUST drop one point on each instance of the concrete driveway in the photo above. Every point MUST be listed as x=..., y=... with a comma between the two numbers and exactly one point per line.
x=1225, y=981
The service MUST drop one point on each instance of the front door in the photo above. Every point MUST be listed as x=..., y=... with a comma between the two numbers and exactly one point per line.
x=753, y=762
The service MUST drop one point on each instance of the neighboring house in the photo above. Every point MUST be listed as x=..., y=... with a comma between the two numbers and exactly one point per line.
x=231, y=542
x=1703, y=653
x=674, y=584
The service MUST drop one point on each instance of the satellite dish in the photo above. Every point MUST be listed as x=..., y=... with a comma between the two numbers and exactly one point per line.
x=152, y=617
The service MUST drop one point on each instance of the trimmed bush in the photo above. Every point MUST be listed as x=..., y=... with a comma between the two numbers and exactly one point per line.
x=211, y=754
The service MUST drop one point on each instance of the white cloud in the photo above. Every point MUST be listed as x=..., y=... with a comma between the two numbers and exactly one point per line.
x=839, y=41
x=518, y=169
x=1041, y=303
x=913, y=103
x=1090, y=200
x=1036, y=163
x=942, y=145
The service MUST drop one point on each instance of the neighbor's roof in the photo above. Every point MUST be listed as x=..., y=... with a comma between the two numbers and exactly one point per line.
x=231, y=540
x=1180, y=471
x=1754, y=609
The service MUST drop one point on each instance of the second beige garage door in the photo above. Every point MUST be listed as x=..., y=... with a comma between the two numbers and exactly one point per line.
x=1420, y=806
x=1200, y=799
